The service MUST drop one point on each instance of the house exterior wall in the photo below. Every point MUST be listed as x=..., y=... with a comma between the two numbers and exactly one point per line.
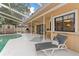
x=47, y=27
x=73, y=37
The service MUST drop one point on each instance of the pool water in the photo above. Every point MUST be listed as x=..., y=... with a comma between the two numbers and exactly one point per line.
x=5, y=38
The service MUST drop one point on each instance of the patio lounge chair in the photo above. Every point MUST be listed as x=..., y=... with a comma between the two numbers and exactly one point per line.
x=37, y=39
x=46, y=46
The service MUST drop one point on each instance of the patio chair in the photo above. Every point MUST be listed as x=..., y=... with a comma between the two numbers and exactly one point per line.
x=37, y=39
x=46, y=46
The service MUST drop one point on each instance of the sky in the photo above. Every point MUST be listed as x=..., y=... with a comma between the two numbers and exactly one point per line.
x=34, y=7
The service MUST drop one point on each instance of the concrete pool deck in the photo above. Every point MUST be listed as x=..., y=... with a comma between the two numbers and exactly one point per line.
x=19, y=46
x=24, y=47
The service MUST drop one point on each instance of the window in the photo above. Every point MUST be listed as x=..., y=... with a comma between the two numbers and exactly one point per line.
x=50, y=25
x=65, y=23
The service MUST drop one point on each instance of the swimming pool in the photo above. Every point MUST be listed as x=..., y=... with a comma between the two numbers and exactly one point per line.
x=5, y=38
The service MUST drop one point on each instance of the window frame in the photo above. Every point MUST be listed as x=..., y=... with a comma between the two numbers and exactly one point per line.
x=76, y=18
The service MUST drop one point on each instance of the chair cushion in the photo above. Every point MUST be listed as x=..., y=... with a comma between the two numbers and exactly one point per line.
x=61, y=38
x=45, y=45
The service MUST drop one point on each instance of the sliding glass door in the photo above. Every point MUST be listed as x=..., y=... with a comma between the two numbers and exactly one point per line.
x=40, y=29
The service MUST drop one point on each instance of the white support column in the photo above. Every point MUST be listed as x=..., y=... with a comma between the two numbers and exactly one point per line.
x=31, y=27
x=43, y=27
x=51, y=19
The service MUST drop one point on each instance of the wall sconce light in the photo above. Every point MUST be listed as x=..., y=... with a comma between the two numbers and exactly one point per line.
x=68, y=25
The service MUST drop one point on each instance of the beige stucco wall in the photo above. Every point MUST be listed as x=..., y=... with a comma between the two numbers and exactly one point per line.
x=73, y=38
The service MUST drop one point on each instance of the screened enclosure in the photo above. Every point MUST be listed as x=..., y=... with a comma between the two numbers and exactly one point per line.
x=15, y=13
